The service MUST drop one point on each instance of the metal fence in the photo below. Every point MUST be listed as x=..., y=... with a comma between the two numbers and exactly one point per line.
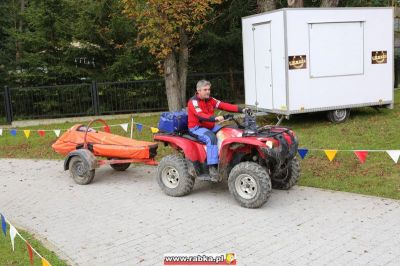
x=2, y=108
x=107, y=97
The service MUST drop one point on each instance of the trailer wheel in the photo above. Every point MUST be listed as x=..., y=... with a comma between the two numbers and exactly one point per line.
x=120, y=166
x=80, y=171
x=338, y=116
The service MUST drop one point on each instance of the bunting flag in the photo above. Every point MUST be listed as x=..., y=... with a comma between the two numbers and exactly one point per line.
x=13, y=132
x=361, y=155
x=154, y=130
x=125, y=126
x=3, y=225
x=302, y=153
x=1, y=132
x=30, y=253
x=27, y=133
x=45, y=262
x=41, y=132
x=57, y=132
x=106, y=129
x=394, y=154
x=139, y=127
x=13, y=233
x=330, y=154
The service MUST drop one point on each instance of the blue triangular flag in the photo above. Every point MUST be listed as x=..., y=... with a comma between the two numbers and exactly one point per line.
x=302, y=153
x=139, y=127
x=3, y=224
x=13, y=132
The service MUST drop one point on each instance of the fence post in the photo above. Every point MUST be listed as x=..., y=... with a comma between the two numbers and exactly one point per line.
x=95, y=98
x=8, y=105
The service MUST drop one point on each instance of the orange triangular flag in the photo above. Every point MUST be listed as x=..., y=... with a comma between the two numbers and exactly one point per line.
x=361, y=155
x=45, y=262
x=330, y=154
x=30, y=252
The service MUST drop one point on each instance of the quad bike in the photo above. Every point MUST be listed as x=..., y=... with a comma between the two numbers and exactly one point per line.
x=253, y=159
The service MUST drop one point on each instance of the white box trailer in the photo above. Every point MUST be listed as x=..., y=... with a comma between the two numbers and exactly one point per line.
x=299, y=60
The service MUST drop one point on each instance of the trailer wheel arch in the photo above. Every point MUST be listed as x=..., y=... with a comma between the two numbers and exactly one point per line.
x=85, y=154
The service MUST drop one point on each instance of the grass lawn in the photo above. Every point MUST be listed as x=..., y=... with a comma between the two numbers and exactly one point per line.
x=366, y=129
x=20, y=256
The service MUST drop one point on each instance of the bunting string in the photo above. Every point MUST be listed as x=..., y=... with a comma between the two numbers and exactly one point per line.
x=361, y=154
x=13, y=233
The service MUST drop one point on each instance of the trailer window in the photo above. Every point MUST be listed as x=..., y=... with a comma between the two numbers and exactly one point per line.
x=336, y=48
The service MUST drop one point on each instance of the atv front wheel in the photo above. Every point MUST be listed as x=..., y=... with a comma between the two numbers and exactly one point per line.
x=173, y=176
x=249, y=184
x=80, y=171
x=288, y=178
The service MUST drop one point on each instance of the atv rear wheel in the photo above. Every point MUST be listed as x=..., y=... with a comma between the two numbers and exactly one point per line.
x=249, y=184
x=80, y=171
x=289, y=178
x=173, y=176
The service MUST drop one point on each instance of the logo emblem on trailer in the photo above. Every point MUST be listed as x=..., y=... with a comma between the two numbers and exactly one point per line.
x=379, y=57
x=297, y=62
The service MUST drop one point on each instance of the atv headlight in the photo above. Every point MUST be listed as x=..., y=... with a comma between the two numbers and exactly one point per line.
x=269, y=144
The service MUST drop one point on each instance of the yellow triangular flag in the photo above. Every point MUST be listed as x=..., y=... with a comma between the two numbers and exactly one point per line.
x=27, y=133
x=330, y=154
x=154, y=130
x=45, y=262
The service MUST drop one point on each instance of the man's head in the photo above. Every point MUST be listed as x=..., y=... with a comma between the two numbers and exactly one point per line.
x=203, y=88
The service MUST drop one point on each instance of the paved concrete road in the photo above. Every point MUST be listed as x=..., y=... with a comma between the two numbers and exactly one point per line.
x=124, y=219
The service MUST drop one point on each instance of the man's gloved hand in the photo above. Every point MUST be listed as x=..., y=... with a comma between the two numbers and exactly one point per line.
x=219, y=118
x=247, y=111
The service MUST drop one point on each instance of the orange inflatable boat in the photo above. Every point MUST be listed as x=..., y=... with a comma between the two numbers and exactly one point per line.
x=104, y=144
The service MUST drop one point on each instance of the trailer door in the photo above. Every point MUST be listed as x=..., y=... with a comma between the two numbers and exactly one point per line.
x=262, y=65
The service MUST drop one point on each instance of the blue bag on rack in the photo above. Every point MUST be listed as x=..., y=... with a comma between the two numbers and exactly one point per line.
x=173, y=122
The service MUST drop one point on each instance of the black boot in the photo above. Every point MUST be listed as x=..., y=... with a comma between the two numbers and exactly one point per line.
x=213, y=170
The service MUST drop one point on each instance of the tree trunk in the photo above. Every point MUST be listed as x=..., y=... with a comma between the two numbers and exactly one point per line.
x=183, y=65
x=19, y=26
x=295, y=3
x=172, y=83
x=330, y=3
x=265, y=5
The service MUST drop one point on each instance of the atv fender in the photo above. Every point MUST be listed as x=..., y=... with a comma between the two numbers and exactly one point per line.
x=194, y=151
x=86, y=156
x=226, y=152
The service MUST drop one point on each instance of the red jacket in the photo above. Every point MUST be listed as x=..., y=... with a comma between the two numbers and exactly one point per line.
x=201, y=111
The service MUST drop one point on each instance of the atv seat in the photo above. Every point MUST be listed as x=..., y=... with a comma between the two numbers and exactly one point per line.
x=192, y=138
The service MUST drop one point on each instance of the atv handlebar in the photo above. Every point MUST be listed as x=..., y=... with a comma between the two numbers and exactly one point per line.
x=229, y=117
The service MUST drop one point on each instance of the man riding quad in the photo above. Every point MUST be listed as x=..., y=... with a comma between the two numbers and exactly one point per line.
x=201, y=122
x=253, y=159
